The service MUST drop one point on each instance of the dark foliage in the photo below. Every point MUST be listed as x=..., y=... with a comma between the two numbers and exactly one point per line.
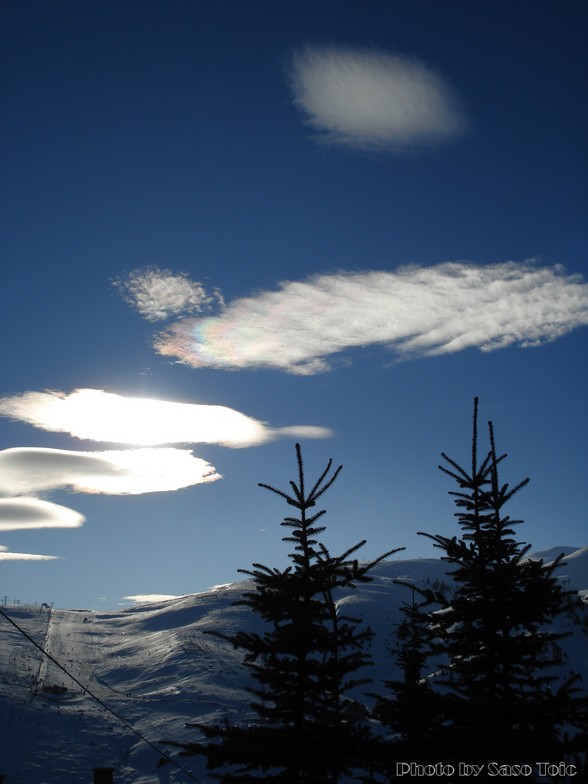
x=304, y=663
x=499, y=687
x=411, y=709
x=479, y=659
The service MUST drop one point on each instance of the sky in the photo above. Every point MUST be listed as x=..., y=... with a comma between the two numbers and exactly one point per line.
x=232, y=227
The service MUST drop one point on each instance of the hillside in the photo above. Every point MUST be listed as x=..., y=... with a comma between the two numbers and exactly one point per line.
x=154, y=667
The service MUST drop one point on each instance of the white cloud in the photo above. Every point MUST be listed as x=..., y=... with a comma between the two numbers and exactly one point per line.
x=21, y=514
x=369, y=99
x=129, y=472
x=411, y=311
x=7, y=556
x=160, y=293
x=149, y=598
x=102, y=416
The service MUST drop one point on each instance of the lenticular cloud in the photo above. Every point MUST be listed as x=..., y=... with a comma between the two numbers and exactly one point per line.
x=368, y=99
x=20, y=514
x=7, y=556
x=104, y=416
x=411, y=311
x=127, y=472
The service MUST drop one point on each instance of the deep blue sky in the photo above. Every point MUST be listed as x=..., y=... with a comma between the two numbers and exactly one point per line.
x=167, y=135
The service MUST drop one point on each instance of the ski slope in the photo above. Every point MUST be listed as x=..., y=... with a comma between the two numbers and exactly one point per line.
x=152, y=669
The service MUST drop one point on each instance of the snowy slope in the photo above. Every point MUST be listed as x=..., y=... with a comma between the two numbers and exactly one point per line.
x=156, y=669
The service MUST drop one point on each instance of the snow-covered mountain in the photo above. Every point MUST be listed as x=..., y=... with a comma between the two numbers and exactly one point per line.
x=156, y=670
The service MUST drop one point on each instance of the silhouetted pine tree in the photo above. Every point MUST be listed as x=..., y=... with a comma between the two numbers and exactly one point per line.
x=411, y=710
x=303, y=664
x=500, y=684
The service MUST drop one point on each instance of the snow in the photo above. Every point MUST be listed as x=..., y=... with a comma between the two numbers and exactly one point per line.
x=154, y=667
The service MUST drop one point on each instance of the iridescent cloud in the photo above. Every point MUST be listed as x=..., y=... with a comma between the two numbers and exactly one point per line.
x=411, y=311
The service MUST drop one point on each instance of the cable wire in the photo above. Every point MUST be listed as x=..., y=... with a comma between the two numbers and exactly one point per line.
x=101, y=702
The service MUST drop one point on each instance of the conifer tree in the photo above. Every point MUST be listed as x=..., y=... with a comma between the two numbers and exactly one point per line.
x=303, y=665
x=502, y=695
x=411, y=709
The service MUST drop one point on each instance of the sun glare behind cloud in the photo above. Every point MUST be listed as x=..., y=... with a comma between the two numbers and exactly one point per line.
x=102, y=416
x=97, y=415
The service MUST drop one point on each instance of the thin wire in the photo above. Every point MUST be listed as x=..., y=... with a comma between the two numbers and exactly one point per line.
x=100, y=701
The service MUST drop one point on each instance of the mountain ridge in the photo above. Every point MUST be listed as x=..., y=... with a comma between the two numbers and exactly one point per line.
x=155, y=667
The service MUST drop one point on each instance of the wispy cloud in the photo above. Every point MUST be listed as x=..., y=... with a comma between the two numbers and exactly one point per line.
x=370, y=99
x=127, y=472
x=5, y=555
x=411, y=311
x=21, y=514
x=158, y=294
x=104, y=416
